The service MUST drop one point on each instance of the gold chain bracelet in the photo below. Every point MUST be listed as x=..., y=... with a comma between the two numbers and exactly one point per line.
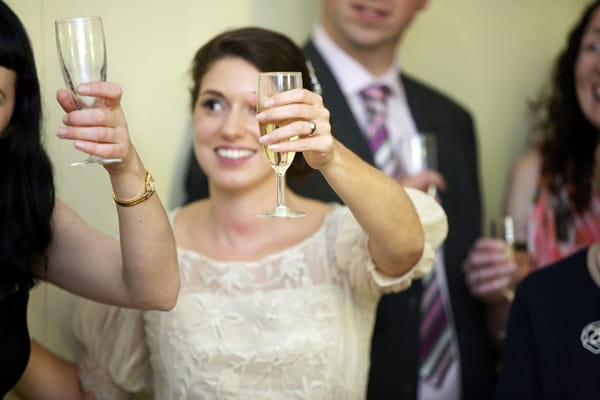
x=149, y=191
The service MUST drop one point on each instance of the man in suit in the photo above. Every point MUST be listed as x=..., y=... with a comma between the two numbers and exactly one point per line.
x=355, y=45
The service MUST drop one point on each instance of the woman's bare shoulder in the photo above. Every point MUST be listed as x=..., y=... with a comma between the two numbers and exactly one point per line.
x=523, y=182
x=528, y=162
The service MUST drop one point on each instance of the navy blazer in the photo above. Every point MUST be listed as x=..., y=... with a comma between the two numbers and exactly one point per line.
x=544, y=354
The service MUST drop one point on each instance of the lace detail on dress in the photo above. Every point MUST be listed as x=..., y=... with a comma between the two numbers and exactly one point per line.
x=269, y=329
x=294, y=325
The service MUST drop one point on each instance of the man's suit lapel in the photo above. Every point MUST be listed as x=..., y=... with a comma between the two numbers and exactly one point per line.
x=425, y=119
x=346, y=129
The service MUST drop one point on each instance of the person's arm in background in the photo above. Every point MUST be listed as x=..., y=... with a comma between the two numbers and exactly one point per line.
x=49, y=377
x=490, y=271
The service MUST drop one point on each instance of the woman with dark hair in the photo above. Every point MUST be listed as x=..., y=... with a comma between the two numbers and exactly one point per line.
x=554, y=191
x=43, y=239
x=566, y=200
x=552, y=345
x=269, y=307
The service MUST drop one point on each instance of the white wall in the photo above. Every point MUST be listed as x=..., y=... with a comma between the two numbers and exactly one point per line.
x=491, y=55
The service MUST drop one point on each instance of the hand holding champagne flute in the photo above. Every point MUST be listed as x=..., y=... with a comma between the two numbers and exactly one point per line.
x=82, y=54
x=503, y=227
x=419, y=163
x=270, y=83
x=423, y=147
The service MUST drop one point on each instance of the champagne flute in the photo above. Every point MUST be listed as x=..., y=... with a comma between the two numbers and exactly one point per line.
x=270, y=83
x=82, y=54
x=502, y=227
x=423, y=147
x=505, y=227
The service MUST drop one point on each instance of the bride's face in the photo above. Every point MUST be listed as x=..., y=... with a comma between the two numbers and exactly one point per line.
x=225, y=126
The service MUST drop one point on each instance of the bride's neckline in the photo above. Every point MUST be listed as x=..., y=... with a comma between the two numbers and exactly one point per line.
x=274, y=255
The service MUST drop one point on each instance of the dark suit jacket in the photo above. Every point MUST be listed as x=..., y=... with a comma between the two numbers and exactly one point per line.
x=394, y=358
x=394, y=369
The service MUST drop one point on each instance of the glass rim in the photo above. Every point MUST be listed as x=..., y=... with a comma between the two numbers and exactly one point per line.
x=273, y=73
x=75, y=19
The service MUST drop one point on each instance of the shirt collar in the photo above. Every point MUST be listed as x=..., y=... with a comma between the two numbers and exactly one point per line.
x=351, y=76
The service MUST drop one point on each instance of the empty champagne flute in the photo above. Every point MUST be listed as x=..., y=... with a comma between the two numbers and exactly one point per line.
x=270, y=83
x=423, y=149
x=82, y=54
x=502, y=227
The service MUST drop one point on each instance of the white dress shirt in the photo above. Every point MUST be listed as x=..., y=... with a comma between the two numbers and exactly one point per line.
x=353, y=78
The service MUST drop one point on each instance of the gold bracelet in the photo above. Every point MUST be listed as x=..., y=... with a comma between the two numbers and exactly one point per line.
x=149, y=191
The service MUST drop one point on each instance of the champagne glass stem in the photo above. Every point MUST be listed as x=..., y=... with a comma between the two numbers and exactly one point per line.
x=280, y=189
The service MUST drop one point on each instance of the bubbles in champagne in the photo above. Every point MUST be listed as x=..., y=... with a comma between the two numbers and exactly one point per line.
x=280, y=161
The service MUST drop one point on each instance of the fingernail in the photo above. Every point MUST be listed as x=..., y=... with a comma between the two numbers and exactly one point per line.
x=61, y=132
x=268, y=102
x=274, y=146
x=260, y=116
x=263, y=139
x=80, y=145
x=65, y=118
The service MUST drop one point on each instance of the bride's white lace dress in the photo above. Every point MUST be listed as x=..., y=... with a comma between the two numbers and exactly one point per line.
x=293, y=325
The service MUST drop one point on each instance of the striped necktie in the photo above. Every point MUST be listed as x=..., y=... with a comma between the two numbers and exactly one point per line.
x=376, y=132
x=435, y=333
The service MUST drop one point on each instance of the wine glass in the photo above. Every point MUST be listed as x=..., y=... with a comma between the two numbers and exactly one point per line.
x=502, y=227
x=270, y=83
x=82, y=55
x=423, y=150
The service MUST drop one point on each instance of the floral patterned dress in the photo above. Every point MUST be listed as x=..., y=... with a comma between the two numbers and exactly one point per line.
x=555, y=230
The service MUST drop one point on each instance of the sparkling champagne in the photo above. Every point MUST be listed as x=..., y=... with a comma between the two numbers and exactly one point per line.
x=269, y=84
x=280, y=161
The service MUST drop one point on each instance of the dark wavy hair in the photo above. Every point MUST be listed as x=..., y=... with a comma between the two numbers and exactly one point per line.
x=265, y=49
x=26, y=183
x=567, y=139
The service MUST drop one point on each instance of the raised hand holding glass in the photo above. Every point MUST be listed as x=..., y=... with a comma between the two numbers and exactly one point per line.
x=82, y=54
x=270, y=83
